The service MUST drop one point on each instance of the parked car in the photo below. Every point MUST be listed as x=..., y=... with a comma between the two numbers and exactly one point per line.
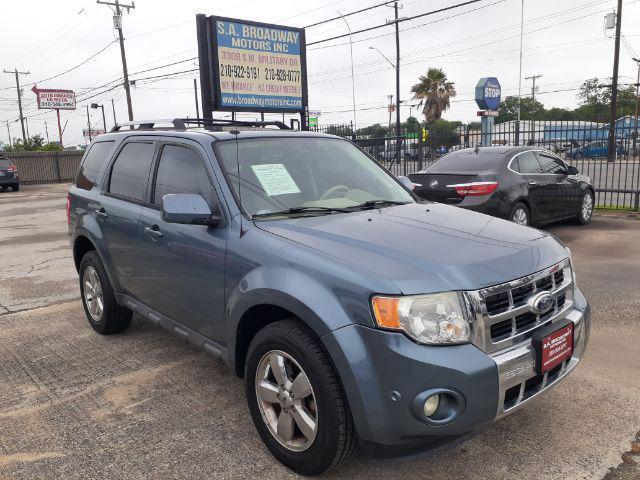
x=598, y=148
x=528, y=185
x=356, y=312
x=9, y=175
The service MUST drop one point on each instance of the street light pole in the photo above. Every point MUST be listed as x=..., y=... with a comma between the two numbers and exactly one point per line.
x=635, y=115
x=104, y=122
x=353, y=81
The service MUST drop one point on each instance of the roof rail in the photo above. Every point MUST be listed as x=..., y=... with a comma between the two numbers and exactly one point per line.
x=213, y=124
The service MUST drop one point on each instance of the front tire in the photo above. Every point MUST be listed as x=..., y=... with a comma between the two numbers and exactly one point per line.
x=520, y=214
x=103, y=312
x=586, y=209
x=296, y=400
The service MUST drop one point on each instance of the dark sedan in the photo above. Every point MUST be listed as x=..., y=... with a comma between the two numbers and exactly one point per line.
x=528, y=185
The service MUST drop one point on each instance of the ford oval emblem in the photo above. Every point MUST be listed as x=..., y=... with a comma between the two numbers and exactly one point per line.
x=541, y=303
x=433, y=184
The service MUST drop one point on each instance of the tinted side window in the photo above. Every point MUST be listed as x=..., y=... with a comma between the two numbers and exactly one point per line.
x=130, y=171
x=98, y=153
x=528, y=163
x=552, y=165
x=5, y=163
x=181, y=170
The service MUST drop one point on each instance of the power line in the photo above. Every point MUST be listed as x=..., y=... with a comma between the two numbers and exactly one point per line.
x=349, y=14
x=405, y=19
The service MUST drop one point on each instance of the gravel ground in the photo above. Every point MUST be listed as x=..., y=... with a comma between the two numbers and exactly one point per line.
x=142, y=404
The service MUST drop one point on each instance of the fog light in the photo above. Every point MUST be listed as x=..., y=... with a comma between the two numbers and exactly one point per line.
x=431, y=405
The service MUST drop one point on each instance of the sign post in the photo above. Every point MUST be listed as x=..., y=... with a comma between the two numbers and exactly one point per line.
x=248, y=66
x=55, y=100
x=488, y=93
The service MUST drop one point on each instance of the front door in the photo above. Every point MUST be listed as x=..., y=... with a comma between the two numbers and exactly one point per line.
x=540, y=187
x=183, y=265
x=564, y=195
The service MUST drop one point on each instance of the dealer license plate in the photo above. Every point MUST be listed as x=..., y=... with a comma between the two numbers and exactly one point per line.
x=556, y=348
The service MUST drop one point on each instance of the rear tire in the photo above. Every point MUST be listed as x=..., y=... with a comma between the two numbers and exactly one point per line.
x=586, y=209
x=15, y=188
x=333, y=438
x=520, y=214
x=103, y=312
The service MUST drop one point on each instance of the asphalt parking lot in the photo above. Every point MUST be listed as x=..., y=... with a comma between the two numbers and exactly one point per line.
x=144, y=404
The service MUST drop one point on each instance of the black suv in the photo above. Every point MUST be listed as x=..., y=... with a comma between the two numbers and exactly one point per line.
x=9, y=174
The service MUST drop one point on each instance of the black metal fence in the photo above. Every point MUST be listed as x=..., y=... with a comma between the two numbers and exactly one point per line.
x=581, y=144
x=46, y=167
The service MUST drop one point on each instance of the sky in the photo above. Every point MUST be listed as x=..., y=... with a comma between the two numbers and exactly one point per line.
x=564, y=41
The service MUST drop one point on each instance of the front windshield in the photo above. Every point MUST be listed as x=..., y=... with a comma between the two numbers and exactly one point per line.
x=278, y=174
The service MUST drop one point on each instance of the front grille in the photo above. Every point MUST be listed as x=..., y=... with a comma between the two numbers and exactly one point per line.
x=527, y=389
x=504, y=310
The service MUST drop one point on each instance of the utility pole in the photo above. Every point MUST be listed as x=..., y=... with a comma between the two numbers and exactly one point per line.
x=26, y=122
x=635, y=115
x=520, y=73
x=353, y=79
x=9, y=133
x=195, y=94
x=533, y=79
x=113, y=109
x=614, y=88
x=17, y=73
x=104, y=121
x=88, y=123
x=390, y=111
x=46, y=129
x=117, y=23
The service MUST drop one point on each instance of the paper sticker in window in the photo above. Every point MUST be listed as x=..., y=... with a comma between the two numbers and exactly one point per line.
x=275, y=179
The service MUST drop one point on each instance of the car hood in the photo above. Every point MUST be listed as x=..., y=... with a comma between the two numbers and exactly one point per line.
x=425, y=248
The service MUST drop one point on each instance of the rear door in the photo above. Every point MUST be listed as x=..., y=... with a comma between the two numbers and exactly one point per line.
x=183, y=265
x=118, y=209
x=566, y=193
x=540, y=187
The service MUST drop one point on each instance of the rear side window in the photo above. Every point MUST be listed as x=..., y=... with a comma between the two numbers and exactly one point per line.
x=181, y=170
x=98, y=153
x=468, y=160
x=552, y=165
x=526, y=162
x=130, y=171
x=4, y=162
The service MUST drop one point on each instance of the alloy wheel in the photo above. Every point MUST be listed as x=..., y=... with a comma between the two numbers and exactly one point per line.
x=286, y=400
x=92, y=291
x=587, y=207
x=520, y=217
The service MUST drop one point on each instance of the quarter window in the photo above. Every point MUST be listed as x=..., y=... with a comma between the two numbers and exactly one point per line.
x=94, y=159
x=552, y=165
x=528, y=163
x=130, y=171
x=181, y=170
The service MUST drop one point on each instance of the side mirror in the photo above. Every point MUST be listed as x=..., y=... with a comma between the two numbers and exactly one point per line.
x=187, y=208
x=572, y=170
x=408, y=184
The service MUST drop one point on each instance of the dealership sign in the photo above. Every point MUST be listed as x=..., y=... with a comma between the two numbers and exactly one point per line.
x=488, y=93
x=55, y=99
x=250, y=66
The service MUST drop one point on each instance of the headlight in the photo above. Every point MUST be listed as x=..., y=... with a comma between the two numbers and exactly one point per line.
x=435, y=319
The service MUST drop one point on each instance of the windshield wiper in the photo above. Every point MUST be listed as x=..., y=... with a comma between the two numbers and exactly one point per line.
x=377, y=203
x=297, y=210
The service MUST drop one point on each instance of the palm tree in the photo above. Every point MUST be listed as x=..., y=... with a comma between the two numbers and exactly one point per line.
x=435, y=92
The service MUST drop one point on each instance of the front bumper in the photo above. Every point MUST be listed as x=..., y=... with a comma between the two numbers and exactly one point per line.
x=383, y=372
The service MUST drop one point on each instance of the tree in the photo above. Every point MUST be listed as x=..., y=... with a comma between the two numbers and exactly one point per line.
x=373, y=131
x=530, y=109
x=411, y=125
x=435, y=92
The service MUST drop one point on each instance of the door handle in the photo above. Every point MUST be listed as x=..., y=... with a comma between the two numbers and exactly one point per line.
x=153, y=231
x=532, y=182
x=101, y=212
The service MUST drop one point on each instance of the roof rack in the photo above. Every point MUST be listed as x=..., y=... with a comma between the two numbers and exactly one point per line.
x=209, y=124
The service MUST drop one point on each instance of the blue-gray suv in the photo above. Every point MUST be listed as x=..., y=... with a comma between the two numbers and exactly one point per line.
x=357, y=313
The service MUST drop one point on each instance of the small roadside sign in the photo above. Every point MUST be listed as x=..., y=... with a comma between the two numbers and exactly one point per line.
x=313, y=122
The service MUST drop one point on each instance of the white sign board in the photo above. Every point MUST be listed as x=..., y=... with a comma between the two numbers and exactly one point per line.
x=56, y=99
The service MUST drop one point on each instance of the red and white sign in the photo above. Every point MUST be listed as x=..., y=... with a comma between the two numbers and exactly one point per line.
x=94, y=132
x=556, y=348
x=55, y=99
